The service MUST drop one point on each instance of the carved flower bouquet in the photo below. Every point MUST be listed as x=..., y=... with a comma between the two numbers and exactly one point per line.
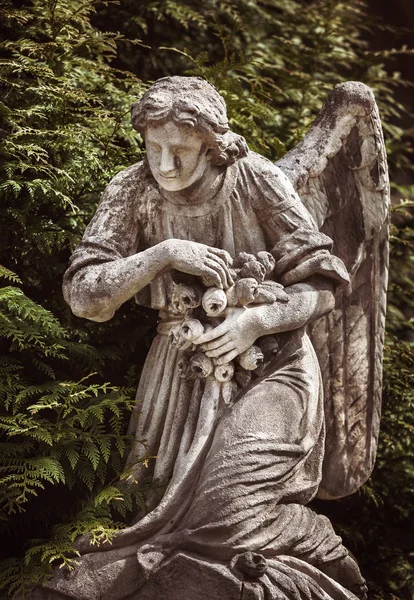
x=203, y=307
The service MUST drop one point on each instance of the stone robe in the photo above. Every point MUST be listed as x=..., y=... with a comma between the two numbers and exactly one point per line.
x=236, y=477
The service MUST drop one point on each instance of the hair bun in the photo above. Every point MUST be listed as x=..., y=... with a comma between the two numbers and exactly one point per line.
x=231, y=147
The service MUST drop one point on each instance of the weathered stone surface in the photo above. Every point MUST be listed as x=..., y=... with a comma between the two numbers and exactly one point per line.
x=233, y=401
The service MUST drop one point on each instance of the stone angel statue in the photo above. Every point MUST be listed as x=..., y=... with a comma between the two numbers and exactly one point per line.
x=262, y=388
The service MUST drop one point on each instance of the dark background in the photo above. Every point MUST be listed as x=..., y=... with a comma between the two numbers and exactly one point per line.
x=399, y=14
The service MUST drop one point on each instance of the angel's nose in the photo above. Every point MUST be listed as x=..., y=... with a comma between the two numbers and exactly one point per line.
x=167, y=164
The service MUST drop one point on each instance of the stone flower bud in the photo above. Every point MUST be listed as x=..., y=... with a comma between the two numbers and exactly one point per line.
x=254, y=269
x=244, y=257
x=242, y=377
x=251, y=358
x=183, y=368
x=224, y=373
x=191, y=329
x=201, y=366
x=185, y=297
x=178, y=340
x=267, y=261
x=246, y=290
x=269, y=345
x=214, y=301
x=252, y=564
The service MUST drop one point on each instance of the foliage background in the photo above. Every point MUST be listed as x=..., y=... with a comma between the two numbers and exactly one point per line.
x=69, y=70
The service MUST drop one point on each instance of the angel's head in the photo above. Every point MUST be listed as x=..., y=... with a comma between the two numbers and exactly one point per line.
x=184, y=123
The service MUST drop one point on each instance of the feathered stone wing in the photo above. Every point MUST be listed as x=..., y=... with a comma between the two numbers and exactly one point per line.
x=340, y=172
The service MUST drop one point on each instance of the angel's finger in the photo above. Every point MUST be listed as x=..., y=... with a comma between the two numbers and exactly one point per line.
x=220, y=261
x=220, y=341
x=223, y=360
x=213, y=275
x=213, y=264
x=212, y=334
x=224, y=255
x=221, y=350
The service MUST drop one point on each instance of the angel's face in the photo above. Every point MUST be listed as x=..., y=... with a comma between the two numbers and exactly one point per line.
x=177, y=156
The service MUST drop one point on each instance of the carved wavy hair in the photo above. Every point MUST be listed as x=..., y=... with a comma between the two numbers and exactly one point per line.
x=193, y=102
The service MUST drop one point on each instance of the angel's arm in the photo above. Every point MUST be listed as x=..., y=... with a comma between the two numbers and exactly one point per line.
x=308, y=301
x=97, y=291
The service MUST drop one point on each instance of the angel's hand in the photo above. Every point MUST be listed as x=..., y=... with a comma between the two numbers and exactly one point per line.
x=236, y=334
x=199, y=259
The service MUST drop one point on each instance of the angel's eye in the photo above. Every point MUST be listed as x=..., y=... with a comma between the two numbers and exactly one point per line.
x=180, y=150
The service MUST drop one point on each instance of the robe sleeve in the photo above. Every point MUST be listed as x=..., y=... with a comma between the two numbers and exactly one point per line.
x=113, y=232
x=299, y=248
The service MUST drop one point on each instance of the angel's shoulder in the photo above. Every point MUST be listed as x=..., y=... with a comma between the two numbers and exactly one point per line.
x=128, y=189
x=264, y=172
x=130, y=180
x=268, y=185
x=256, y=163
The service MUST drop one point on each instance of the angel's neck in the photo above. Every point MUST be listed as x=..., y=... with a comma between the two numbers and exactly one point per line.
x=201, y=191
